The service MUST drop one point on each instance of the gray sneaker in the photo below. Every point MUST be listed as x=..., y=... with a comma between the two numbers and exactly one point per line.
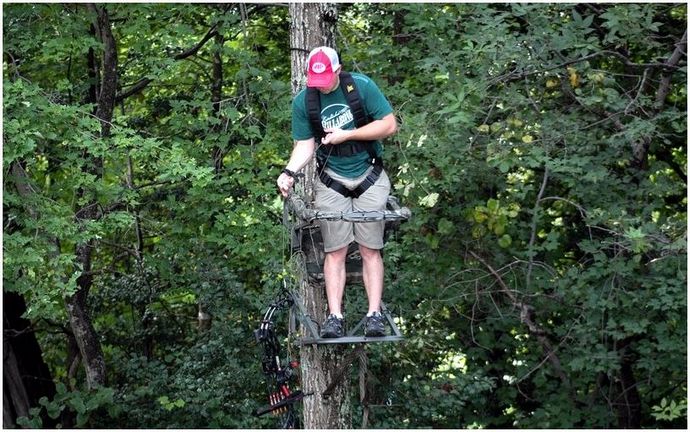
x=374, y=326
x=332, y=327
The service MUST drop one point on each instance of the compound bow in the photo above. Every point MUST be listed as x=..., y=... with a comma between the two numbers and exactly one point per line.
x=281, y=398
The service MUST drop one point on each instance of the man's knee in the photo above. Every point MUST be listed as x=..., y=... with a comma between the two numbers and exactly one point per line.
x=368, y=253
x=337, y=255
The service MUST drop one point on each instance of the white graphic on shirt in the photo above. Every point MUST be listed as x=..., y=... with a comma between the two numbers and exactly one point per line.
x=340, y=115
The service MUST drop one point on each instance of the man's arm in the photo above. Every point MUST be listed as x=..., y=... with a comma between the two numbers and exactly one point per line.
x=376, y=130
x=302, y=153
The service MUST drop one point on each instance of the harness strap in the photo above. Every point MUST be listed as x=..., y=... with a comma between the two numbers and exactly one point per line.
x=350, y=148
x=313, y=102
x=369, y=181
x=347, y=84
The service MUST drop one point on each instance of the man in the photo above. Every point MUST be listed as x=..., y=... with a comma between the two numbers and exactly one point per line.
x=351, y=176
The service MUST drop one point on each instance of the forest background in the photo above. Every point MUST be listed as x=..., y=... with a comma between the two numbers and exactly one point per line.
x=541, y=282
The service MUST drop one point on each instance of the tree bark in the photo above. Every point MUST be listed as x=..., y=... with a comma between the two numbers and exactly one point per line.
x=26, y=377
x=313, y=24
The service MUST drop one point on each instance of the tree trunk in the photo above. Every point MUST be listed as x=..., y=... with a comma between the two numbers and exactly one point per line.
x=108, y=83
x=399, y=39
x=84, y=333
x=628, y=402
x=313, y=24
x=15, y=397
x=217, y=97
x=26, y=377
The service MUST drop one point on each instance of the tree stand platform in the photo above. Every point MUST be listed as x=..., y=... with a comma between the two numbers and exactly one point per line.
x=297, y=313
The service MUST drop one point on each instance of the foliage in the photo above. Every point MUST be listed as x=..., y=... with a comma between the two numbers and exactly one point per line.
x=669, y=411
x=541, y=282
x=535, y=230
x=83, y=404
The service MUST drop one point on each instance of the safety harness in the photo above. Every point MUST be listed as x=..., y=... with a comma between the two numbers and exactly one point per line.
x=349, y=148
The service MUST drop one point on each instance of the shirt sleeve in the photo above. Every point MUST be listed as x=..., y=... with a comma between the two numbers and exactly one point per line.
x=301, y=129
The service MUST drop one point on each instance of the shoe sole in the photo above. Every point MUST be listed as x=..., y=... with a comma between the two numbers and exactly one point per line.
x=375, y=334
x=330, y=335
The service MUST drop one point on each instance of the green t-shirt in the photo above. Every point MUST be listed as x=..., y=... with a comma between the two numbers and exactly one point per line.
x=335, y=112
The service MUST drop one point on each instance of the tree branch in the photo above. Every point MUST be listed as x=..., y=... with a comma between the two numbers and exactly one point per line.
x=533, y=234
x=527, y=318
x=641, y=146
x=212, y=32
x=193, y=50
x=144, y=82
x=136, y=88
x=514, y=76
x=672, y=61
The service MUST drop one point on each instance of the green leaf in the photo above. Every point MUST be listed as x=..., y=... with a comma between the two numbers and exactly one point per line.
x=445, y=227
x=78, y=403
x=429, y=200
x=492, y=205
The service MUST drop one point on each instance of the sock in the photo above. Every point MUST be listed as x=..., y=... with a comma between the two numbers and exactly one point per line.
x=338, y=315
x=372, y=313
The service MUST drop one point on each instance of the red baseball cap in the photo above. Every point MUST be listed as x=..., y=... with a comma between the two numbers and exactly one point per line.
x=323, y=61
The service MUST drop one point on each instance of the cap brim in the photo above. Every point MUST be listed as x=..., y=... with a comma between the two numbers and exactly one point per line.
x=320, y=80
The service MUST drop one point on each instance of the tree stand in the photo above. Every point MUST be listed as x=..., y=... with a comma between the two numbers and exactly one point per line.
x=306, y=240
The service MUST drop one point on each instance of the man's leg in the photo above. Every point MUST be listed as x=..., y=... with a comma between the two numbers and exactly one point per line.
x=337, y=235
x=334, y=273
x=369, y=236
x=372, y=273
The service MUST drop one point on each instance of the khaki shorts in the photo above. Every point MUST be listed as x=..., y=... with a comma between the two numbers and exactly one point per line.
x=339, y=234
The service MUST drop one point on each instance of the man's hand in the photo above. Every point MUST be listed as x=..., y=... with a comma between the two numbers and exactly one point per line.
x=285, y=183
x=302, y=152
x=336, y=136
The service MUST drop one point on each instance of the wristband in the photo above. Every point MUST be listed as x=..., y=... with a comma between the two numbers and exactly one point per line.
x=288, y=172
